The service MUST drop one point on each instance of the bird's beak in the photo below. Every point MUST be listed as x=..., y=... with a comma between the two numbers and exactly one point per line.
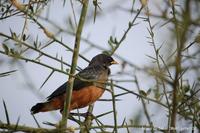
x=114, y=62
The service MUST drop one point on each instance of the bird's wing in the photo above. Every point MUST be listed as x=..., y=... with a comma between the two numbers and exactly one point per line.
x=89, y=73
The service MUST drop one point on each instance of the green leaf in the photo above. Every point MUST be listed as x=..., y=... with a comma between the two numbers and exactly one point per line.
x=2, y=9
x=111, y=39
x=148, y=91
x=116, y=42
x=6, y=49
x=67, y=70
x=12, y=51
x=61, y=63
x=14, y=36
x=186, y=88
x=24, y=37
x=35, y=43
x=130, y=24
x=31, y=8
x=17, y=55
x=197, y=39
x=111, y=44
x=143, y=93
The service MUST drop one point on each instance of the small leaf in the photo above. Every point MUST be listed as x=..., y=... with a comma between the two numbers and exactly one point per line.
x=95, y=3
x=197, y=39
x=111, y=44
x=6, y=49
x=148, y=91
x=116, y=42
x=31, y=8
x=61, y=63
x=71, y=25
x=106, y=52
x=67, y=70
x=17, y=55
x=130, y=24
x=186, y=88
x=111, y=39
x=12, y=51
x=14, y=36
x=143, y=2
x=2, y=9
x=40, y=44
x=143, y=93
x=24, y=37
x=48, y=33
x=35, y=43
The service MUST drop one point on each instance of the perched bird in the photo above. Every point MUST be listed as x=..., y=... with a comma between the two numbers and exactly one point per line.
x=88, y=87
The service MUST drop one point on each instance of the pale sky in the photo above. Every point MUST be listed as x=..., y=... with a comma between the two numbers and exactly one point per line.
x=20, y=96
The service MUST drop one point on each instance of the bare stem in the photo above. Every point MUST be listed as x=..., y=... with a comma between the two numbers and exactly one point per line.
x=114, y=107
x=130, y=25
x=74, y=64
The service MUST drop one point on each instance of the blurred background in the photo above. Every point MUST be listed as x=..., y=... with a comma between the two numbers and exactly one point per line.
x=147, y=61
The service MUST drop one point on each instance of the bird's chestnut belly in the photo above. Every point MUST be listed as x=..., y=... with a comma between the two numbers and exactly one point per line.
x=85, y=96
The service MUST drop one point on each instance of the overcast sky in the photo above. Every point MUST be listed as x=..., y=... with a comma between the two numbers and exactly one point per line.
x=20, y=96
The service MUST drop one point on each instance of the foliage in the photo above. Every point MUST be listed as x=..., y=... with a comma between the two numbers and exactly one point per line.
x=174, y=67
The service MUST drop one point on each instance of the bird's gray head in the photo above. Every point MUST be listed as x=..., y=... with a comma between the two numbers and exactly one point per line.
x=102, y=59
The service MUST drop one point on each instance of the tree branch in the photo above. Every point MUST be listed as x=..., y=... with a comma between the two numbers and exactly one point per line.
x=74, y=64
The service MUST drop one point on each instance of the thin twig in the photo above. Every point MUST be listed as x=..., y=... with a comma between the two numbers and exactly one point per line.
x=130, y=25
x=74, y=64
x=114, y=107
x=145, y=107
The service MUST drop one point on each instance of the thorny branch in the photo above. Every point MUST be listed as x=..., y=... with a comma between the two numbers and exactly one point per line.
x=178, y=96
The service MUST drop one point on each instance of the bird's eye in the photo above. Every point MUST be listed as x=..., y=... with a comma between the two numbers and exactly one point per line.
x=110, y=59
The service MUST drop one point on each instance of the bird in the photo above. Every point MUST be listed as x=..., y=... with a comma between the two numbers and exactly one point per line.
x=89, y=85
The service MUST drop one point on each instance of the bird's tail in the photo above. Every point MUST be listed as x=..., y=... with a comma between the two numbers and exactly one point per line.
x=39, y=107
x=53, y=104
x=43, y=107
